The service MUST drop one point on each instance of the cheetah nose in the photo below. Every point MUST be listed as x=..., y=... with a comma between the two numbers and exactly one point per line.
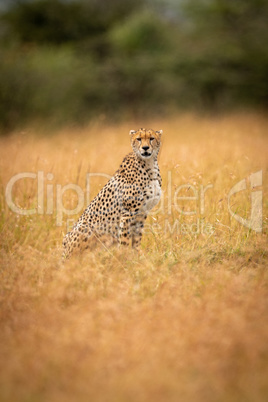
x=145, y=148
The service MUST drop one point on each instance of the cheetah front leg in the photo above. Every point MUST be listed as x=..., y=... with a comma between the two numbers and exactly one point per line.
x=131, y=227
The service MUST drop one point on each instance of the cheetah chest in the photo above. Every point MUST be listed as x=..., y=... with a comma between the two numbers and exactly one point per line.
x=152, y=195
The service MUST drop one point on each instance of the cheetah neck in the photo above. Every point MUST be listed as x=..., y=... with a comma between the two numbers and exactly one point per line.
x=151, y=166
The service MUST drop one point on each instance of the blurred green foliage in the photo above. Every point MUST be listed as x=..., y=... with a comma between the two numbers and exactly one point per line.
x=70, y=61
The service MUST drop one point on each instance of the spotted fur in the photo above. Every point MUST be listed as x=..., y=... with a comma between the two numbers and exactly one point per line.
x=118, y=212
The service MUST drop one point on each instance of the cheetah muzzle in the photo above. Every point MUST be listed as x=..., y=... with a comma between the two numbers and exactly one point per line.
x=118, y=212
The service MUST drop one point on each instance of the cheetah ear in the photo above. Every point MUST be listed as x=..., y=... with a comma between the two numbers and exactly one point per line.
x=160, y=132
x=132, y=132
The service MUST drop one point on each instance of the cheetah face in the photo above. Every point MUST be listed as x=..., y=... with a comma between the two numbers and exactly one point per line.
x=145, y=143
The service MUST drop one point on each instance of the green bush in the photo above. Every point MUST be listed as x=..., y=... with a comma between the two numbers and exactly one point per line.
x=68, y=62
x=142, y=32
x=17, y=86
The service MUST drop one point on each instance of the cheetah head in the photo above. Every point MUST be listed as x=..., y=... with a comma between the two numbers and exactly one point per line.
x=145, y=143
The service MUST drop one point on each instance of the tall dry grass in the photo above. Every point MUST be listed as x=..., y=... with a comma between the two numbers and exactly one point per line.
x=186, y=319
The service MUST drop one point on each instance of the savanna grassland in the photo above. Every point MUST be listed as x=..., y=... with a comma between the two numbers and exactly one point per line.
x=183, y=319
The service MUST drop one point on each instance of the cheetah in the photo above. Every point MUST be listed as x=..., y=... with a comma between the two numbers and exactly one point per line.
x=120, y=209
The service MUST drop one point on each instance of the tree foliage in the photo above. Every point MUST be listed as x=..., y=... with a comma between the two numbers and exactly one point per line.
x=75, y=59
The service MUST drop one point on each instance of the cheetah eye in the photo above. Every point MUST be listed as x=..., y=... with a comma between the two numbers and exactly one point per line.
x=152, y=138
x=138, y=139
